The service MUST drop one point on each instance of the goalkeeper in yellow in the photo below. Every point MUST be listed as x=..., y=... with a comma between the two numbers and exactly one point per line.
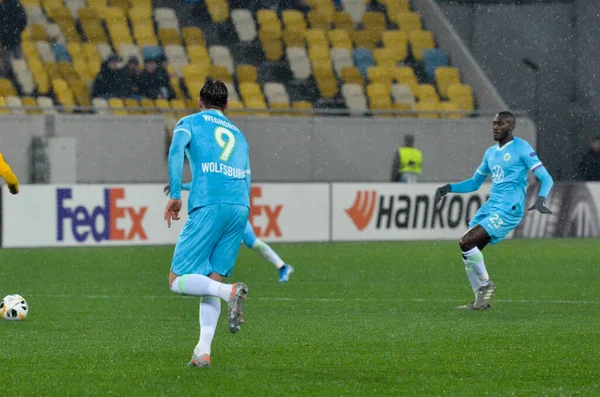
x=9, y=176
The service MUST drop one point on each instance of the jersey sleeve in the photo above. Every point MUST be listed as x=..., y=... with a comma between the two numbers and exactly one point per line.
x=483, y=168
x=530, y=157
x=182, y=136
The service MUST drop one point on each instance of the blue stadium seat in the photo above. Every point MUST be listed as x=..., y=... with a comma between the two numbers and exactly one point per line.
x=432, y=59
x=362, y=59
x=60, y=52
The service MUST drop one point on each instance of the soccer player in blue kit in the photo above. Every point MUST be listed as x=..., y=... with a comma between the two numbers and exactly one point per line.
x=253, y=242
x=508, y=163
x=218, y=208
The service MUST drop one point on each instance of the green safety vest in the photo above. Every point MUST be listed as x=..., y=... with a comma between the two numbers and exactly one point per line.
x=411, y=160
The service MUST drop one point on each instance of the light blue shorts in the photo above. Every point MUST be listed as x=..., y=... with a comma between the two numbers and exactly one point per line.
x=210, y=240
x=249, y=236
x=497, y=223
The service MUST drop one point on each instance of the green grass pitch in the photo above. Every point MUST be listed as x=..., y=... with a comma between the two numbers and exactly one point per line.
x=355, y=319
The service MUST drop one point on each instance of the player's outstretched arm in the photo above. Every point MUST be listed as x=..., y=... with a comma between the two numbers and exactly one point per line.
x=547, y=182
x=466, y=186
x=11, y=179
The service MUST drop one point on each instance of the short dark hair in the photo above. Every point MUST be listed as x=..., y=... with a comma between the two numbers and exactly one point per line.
x=214, y=94
x=508, y=115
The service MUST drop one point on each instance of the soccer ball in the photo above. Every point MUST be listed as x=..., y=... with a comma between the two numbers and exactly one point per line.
x=13, y=308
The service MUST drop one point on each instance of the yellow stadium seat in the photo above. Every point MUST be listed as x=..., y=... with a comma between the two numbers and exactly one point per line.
x=3, y=105
x=81, y=92
x=316, y=37
x=448, y=107
x=395, y=7
x=133, y=106
x=328, y=87
x=397, y=41
x=179, y=106
x=169, y=36
x=66, y=69
x=40, y=76
x=380, y=74
x=293, y=38
x=403, y=107
x=88, y=14
x=279, y=107
x=221, y=72
x=373, y=20
x=7, y=88
x=444, y=77
x=194, y=71
x=99, y=4
x=462, y=95
x=378, y=90
x=320, y=52
x=29, y=102
x=117, y=105
x=366, y=38
x=81, y=68
x=139, y=15
x=141, y=4
x=176, y=84
x=318, y=20
x=426, y=93
x=148, y=105
x=351, y=75
x=31, y=3
x=193, y=35
x=409, y=21
x=294, y=20
x=256, y=103
x=301, y=105
x=250, y=90
x=323, y=70
x=38, y=33
x=268, y=18
x=420, y=40
x=233, y=109
x=52, y=69
x=123, y=4
x=163, y=105
x=198, y=53
x=384, y=56
x=219, y=12
x=423, y=106
x=343, y=20
x=94, y=31
x=271, y=44
x=74, y=50
x=115, y=16
x=340, y=38
x=246, y=73
x=406, y=75
x=120, y=34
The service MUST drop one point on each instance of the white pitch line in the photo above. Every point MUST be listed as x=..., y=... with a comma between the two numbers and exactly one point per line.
x=525, y=301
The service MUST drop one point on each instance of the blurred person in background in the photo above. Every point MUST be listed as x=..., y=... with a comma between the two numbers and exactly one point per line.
x=110, y=81
x=589, y=166
x=408, y=162
x=154, y=81
x=131, y=73
x=13, y=21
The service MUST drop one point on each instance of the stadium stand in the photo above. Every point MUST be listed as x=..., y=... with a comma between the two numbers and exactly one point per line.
x=349, y=56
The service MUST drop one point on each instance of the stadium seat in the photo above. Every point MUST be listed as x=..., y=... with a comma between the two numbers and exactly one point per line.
x=409, y=21
x=301, y=105
x=343, y=20
x=355, y=99
x=46, y=105
x=117, y=106
x=402, y=106
x=198, y=54
x=220, y=72
x=397, y=42
x=448, y=107
x=384, y=56
x=432, y=59
x=232, y=109
x=293, y=20
x=133, y=106
x=395, y=7
x=3, y=106
x=341, y=59
x=15, y=105
x=318, y=20
x=427, y=93
x=244, y=24
x=221, y=55
x=420, y=40
x=7, y=88
x=31, y=104
x=355, y=8
x=271, y=44
x=316, y=38
x=293, y=38
x=381, y=74
x=402, y=93
x=373, y=20
x=406, y=75
x=193, y=35
x=351, y=75
x=246, y=74
x=444, y=77
x=366, y=38
x=23, y=76
x=462, y=95
x=276, y=92
x=362, y=59
x=425, y=106
x=299, y=62
x=340, y=38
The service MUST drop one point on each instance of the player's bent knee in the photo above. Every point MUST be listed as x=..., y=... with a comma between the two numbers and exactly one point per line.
x=174, y=285
x=465, y=243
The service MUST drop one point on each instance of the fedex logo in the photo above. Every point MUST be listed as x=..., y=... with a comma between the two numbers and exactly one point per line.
x=83, y=221
x=270, y=212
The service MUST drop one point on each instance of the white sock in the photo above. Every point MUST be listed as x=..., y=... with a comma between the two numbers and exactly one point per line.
x=475, y=259
x=267, y=253
x=210, y=309
x=199, y=285
x=473, y=279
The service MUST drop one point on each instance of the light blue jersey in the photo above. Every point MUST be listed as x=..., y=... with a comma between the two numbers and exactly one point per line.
x=218, y=156
x=508, y=166
x=219, y=201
